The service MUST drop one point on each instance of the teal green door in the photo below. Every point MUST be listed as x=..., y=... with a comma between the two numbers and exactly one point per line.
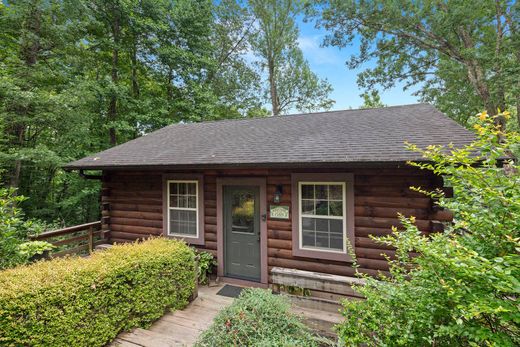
x=242, y=232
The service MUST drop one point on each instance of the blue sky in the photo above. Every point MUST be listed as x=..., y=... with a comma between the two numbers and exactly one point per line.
x=329, y=63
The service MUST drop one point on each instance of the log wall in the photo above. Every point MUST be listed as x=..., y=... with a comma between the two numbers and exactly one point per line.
x=132, y=209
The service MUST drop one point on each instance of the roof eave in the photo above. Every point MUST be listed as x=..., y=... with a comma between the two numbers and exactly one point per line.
x=352, y=164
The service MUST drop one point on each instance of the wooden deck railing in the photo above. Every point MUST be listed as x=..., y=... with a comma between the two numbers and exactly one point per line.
x=77, y=239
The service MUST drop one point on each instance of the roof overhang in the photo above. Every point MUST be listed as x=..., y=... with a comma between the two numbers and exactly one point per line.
x=303, y=165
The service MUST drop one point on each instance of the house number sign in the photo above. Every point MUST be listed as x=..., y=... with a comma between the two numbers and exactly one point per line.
x=279, y=212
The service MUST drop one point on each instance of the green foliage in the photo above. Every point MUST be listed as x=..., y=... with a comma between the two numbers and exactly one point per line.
x=295, y=290
x=77, y=77
x=462, y=287
x=291, y=83
x=29, y=249
x=207, y=263
x=258, y=318
x=371, y=99
x=88, y=301
x=14, y=229
x=462, y=55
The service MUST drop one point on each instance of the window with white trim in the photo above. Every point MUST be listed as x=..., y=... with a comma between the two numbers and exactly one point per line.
x=183, y=203
x=322, y=216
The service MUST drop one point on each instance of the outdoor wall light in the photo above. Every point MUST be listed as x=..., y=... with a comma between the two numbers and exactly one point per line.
x=278, y=194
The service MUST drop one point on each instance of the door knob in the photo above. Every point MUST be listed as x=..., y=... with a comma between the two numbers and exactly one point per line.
x=264, y=217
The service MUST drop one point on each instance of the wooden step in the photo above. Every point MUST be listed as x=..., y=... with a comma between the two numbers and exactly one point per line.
x=148, y=338
x=322, y=322
x=315, y=303
x=316, y=281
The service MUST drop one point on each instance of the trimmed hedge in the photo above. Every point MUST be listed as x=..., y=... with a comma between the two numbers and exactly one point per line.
x=88, y=301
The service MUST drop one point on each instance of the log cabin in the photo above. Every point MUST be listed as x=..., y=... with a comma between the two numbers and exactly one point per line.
x=278, y=199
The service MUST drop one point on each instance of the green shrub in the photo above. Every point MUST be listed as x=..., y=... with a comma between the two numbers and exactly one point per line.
x=463, y=287
x=14, y=228
x=33, y=248
x=207, y=263
x=88, y=301
x=258, y=318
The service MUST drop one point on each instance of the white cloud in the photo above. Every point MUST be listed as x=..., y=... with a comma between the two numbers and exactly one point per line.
x=316, y=55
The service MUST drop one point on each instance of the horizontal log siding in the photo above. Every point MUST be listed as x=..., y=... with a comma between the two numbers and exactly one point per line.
x=132, y=204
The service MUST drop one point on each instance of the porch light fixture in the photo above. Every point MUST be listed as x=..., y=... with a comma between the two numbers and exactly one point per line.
x=278, y=194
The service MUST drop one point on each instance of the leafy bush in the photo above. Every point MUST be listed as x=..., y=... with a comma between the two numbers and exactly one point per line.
x=13, y=230
x=29, y=249
x=88, y=301
x=258, y=318
x=462, y=288
x=206, y=263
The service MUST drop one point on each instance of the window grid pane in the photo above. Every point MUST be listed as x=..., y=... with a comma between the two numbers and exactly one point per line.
x=322, y=233
x=322, y=216
x=321, y=199
x=183, y=208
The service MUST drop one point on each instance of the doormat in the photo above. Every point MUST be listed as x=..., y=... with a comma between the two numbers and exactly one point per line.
x=230, y=291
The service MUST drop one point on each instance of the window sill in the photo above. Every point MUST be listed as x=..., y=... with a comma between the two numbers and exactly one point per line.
x=188, y=239
x=317, y=254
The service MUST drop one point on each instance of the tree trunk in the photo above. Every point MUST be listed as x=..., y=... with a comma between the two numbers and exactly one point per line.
x=135, y=84
x=272, y=88
x=477, y=79
x=14, y=181
x=112, y=108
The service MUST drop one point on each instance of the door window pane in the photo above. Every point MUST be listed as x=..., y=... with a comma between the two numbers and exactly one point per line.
x=243, y=212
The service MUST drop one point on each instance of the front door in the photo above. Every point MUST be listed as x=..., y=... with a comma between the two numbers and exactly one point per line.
x=242, y=232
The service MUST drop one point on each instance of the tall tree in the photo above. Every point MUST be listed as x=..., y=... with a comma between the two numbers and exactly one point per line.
x=34, y=79
x=464, y=54
x=291, y=82
x=78, y=76
x=234, y=79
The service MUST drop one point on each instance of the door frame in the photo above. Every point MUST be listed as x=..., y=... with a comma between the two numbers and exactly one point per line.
x=261, y=182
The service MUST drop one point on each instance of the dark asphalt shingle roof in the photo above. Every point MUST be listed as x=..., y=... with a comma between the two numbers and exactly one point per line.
x=349, y=136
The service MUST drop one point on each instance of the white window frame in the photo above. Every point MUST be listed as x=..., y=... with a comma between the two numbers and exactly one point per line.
x=196, y=209
x=301, y=215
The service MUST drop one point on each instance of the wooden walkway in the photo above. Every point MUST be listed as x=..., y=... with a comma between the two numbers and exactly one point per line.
x=182, y=328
